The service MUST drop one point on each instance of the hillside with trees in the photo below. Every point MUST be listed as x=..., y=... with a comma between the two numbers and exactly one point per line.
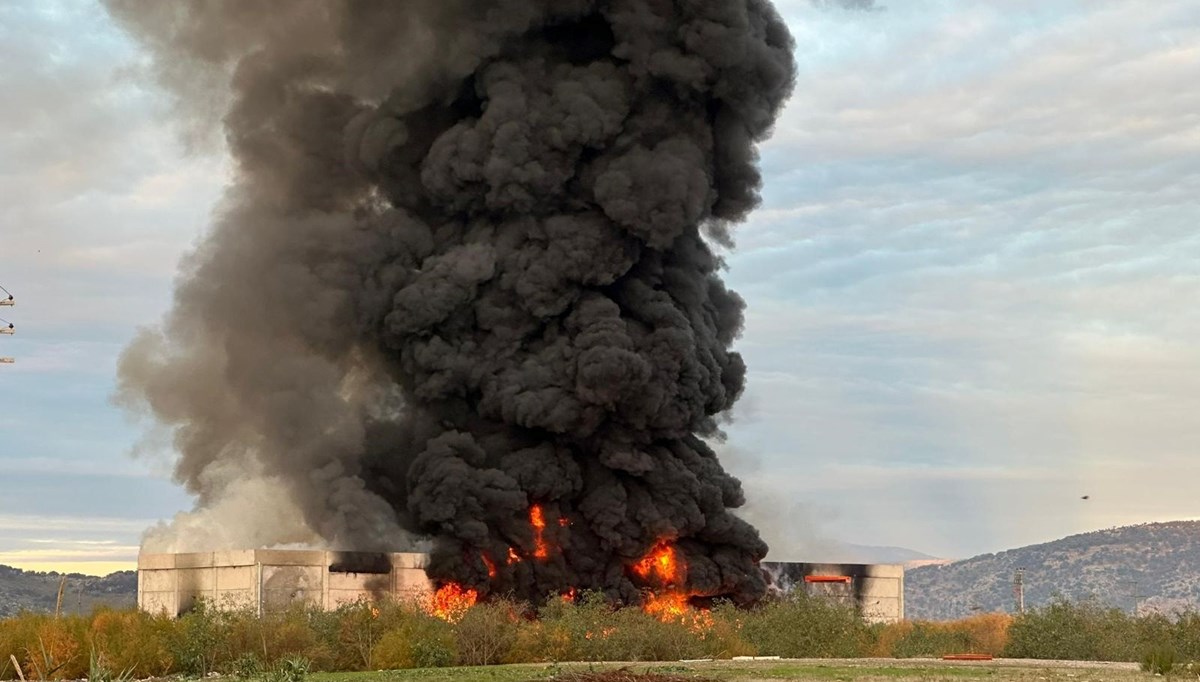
x=37, y=591
x=1149, y=567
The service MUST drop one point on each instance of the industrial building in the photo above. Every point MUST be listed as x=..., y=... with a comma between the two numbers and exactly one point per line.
x=876, y=590
x=271, y=579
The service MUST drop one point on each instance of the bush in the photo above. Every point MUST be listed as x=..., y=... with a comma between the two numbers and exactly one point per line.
x=982, y=634
x=723, y=637
x=803, y=626
x=196, y=640
x=932, y=639
x=125, y=643
x=1083, y=631
x=487, y=633
x=590, y=629
x=246, y=667
x=1159, y=660
x=47, y=648
x=410, y=638
x=1185, y=635
x=110, y=646
x=290, y=669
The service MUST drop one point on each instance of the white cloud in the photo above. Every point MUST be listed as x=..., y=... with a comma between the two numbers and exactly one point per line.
x=970, y=288
x=69, y=524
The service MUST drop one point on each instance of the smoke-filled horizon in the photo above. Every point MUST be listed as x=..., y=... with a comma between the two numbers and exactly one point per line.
x=464, y=272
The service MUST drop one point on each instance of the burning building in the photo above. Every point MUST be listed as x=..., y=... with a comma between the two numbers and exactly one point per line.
x=272, y=580
x=463, y=291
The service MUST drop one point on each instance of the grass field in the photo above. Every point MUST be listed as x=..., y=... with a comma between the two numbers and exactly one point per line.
x=865, y=670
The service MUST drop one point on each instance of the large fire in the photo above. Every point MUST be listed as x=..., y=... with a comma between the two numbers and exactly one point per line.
x=666, y=572
x=541, y=550
x=666, y=606
x=451, y=602
x=662, y=571
x=662, y=563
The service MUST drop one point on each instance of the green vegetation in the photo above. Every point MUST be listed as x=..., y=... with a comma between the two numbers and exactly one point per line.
x=1087, y=631
x=305, y=644
x=1161, y=558
x=724, y=671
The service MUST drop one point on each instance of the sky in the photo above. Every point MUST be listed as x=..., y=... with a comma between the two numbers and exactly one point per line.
x=972, y=288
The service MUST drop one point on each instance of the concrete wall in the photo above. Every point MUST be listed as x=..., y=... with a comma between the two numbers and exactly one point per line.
x=269, y=580
x=877, y=590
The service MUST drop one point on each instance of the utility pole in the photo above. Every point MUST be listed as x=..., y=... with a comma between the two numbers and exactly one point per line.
x=1019, y=589
x=1135, y=596
x=1132, y=587
x=6, y=327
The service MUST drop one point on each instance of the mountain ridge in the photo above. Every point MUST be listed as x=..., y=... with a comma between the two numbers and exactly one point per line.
x=1145, y=567
x=37, y=591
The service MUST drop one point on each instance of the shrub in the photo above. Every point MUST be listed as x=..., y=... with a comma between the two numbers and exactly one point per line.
x=196, y=640
x=487, y=633
x=132, y=641
x=981, y=634
x=1185, y=635
x=290, y=669
x=1084, y=631
x=246, y=667
x=932, y=639
x=353, y=633
x=723, y=637
x=1159, y=660
x=802, y=626
x=410, y=638
x=47, y=648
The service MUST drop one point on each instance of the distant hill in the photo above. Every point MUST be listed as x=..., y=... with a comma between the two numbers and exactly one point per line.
x=37, y=591
x=1155, y=565
x=870, y=554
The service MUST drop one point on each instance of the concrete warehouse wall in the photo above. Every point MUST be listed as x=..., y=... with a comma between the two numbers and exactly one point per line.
x=271, y=579
x=877, y=590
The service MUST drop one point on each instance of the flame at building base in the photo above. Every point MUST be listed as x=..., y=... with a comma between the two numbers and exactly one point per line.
x=668, y=599
x=451, y=601
x=662, y=573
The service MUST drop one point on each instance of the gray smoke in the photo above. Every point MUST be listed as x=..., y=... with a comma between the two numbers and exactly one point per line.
x=461, y=272
x=854, y=5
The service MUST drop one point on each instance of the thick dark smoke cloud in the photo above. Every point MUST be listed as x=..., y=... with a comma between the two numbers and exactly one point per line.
x=462, y=272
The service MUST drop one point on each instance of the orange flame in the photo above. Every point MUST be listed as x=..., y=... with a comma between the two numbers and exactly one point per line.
x=538, y=520
x=666, y=606
x=451, y=602
x=563, y=522
x=663, y=563
x=569, y=595
x=664, y=567
x=491, y=565
x=513, y=557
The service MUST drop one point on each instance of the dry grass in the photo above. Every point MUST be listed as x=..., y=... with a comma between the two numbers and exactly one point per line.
x=625, y=674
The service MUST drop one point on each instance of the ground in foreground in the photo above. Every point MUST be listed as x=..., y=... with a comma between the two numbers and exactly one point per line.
x=808, y=670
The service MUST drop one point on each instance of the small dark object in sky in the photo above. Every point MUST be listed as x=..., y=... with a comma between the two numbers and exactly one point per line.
x=1085, y=497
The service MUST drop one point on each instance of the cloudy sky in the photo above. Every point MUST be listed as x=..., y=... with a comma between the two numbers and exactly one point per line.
x=973, y=286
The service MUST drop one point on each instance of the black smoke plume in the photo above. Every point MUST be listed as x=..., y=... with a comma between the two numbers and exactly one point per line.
x=462, y=270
